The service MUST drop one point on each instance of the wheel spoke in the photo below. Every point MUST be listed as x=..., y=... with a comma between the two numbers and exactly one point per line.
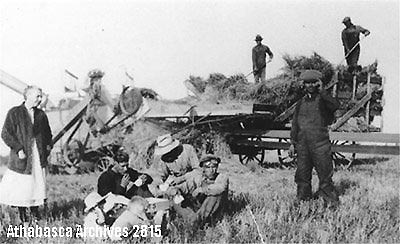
x=284, y=158
x=341, y=155
x=248, y=159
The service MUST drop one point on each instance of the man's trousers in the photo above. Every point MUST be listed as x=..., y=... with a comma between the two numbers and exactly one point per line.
x=315, y=155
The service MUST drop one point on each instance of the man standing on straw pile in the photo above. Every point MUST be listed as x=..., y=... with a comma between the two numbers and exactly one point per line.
x=258, y=56
x=351, y=38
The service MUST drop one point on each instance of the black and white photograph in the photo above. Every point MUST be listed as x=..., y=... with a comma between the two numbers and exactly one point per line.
x=183, y=121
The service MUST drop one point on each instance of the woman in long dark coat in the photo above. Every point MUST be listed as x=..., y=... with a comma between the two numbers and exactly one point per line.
x=27, y=132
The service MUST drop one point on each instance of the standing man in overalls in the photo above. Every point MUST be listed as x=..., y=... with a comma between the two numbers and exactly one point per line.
x=310, y=137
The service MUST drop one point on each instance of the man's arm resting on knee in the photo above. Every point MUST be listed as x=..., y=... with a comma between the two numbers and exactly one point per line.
x=220, y=185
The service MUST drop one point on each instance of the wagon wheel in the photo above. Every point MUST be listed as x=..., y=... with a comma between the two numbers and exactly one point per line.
x=283, y=156
x=340, y=159
x=104, y=163
x=252, y=153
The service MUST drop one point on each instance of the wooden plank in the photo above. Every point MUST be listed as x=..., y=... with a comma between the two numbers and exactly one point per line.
x=351, y=112
x=354, y=87
x=12, y=82
x=365, y=137
x=77, y=113
x=377, y=137
x=287, y=113
x=335, y=78
x=284, y=134
x=267, y=145
x=368, y=103
x=367, y=149
x=352, y=148
x=19, y=86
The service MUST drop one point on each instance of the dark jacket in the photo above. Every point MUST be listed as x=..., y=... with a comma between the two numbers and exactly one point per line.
x=110, y=181
x=351, y=36
x=258, y=54
x=327, y=105
x=18, y=134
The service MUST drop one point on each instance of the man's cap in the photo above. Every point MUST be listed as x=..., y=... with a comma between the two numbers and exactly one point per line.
x=258, y=38
x=95, y=73
x=93, y=199
x=310, y=75
x=209, y=158
x=346, y=19
x=165, y=144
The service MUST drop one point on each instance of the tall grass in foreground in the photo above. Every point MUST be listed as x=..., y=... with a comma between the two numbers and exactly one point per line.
x=369, y=209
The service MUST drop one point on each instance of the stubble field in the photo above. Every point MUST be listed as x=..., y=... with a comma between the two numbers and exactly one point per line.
x=368, y=212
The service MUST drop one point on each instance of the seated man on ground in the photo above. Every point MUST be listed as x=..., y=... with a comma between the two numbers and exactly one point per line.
x=204, y=193
x=176, y=161
x=122, y=180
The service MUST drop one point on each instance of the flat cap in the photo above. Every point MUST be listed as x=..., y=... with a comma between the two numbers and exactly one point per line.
x=346, y=19
x=310, y=75
x=207, y=158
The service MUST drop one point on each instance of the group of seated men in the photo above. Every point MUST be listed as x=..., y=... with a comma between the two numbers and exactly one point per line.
x=177, y=182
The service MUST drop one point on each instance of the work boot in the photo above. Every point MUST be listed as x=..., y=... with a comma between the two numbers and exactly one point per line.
x=329, y=195
x=304, y=192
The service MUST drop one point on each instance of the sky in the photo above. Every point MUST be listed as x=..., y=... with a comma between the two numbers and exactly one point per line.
x=162, y=43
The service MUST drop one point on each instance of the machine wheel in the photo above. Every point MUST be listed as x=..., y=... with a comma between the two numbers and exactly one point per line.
x=252, y=153
x=104, y=163
x=283, y=156
x=340, y=159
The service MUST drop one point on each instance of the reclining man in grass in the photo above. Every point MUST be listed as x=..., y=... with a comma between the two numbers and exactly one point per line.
x=204, y=193
x=101, y=210
x=115, y=211
x=176, y=163
x=310, y=137
x=122, y=180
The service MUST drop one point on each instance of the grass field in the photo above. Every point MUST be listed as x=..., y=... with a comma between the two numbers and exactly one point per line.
x=369, y=209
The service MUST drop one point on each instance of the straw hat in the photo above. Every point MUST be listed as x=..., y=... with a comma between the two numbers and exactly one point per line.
x=92, y=200
x=165, y=144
